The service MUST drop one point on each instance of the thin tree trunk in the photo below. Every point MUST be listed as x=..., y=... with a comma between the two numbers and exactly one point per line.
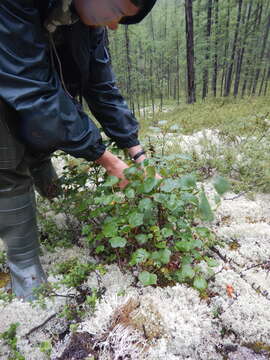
x=241, y=52
x=266, y=82
x=191, y=95
x=257, y=23
x=262, y=81
x=217, y=33
x=207, y=55
x=230, y=69
x=177, y=70
x=152, y=52
x=258, y=70
x=226, y=47
x=251, y=58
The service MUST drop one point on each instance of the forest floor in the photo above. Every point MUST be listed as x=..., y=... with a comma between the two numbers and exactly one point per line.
x=174, y=323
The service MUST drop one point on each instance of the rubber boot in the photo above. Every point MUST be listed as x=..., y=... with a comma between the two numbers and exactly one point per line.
x=18, y=230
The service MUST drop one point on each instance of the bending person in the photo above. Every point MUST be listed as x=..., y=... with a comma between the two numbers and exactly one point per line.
x=50, y=53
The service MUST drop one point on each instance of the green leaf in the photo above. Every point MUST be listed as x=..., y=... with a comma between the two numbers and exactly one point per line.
x=173, y=204
x=130, y=193
x=196, y=255
x=200, y=283
x=188, y=181
x=118, y=242
x=205, y=209
x=182, y=224
x=221, y=185
x=211, y=262
x=189, y=198
x=110, y=229
x=149, y=184
x=196, y=244
x=100, y=249
x=125, y=229
x=166, y=232
x=145, y=204
x=160, y=198
x=168, y=185
x=161, y=245
x=141, y=238
x=139, y=256
x=187, y=260
x=147, y=278
x=145, y=162
x=151, y=171
x=108, y=200
x=129, y=172
x=183, y=246
x=187, y=271
x=86, y=230
x=111, y=181
x=202, y=232
x=161, y=256
x=135, y=219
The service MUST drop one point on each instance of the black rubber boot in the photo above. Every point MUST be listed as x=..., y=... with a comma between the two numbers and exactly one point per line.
x=18, y=230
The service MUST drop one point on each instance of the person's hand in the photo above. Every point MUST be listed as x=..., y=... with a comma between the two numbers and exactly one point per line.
x=135, y=150
x=114, y=166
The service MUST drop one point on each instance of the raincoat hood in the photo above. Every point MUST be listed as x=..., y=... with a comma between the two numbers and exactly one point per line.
x=145, y=10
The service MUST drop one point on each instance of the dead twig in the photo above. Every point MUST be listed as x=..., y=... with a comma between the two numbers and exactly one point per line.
x=40, y=325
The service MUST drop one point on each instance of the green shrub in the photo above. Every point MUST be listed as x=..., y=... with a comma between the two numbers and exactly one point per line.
x=154, y=226
x=75, y=273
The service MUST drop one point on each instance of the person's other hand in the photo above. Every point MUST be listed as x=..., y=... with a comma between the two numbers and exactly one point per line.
x=114, y=166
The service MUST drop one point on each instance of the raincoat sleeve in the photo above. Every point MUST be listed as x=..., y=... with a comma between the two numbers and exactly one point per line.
x=103, y=97
x=49, y=118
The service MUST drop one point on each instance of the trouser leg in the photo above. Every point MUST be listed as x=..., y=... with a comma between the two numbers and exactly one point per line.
x=18, y=228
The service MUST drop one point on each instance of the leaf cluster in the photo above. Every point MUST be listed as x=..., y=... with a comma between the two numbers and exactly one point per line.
x=156, y=227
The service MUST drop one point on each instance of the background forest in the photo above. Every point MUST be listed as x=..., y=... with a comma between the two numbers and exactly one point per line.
x=188, y=50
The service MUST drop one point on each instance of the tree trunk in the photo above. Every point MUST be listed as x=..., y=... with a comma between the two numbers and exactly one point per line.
x=252, y=52
x=261, y=56
x=217, y=33
x=226, y=47
x=262, y=81
x=266, y=82
x=236, y=34
x=241, y=51
x=191, y=95
x=207, y=55
x=177, y=70
x=257, y=24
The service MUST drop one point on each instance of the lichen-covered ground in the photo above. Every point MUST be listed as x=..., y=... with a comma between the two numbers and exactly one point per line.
x=173, y=323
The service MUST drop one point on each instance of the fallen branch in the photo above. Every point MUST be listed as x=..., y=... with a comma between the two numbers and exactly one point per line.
x=40, y=325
